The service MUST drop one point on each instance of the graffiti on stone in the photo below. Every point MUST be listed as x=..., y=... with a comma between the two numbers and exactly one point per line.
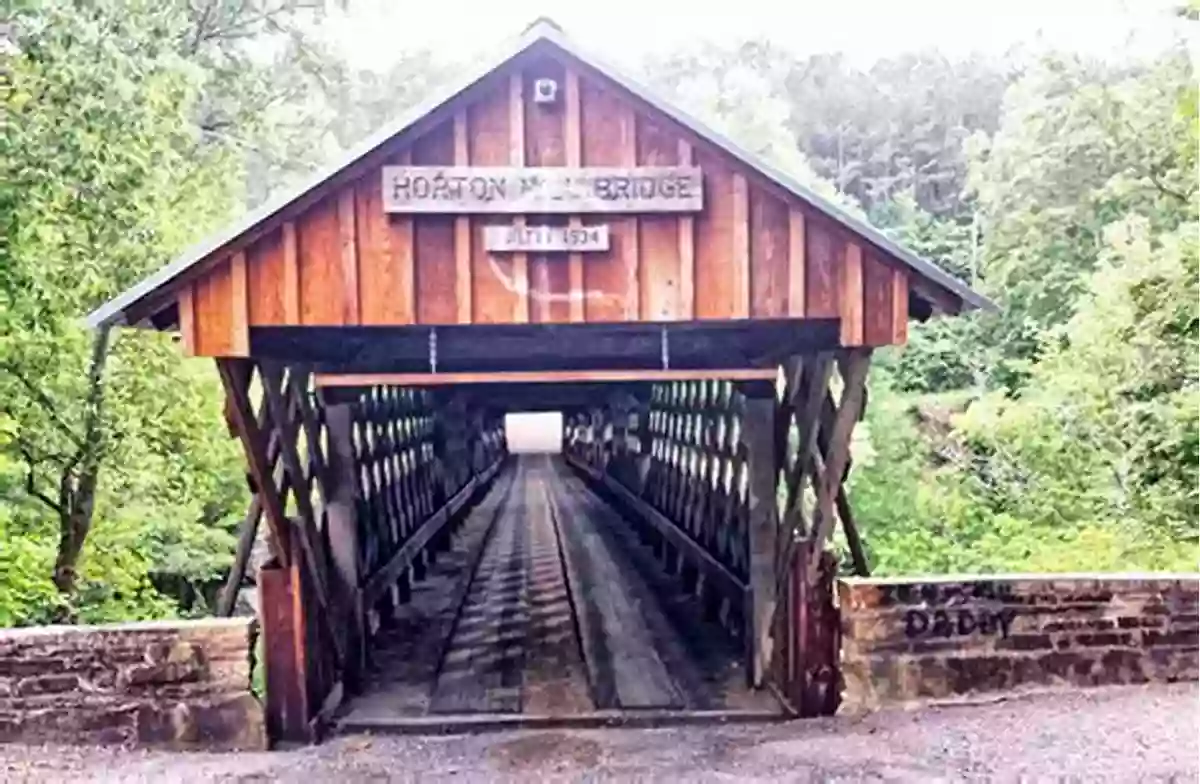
x=959, y=622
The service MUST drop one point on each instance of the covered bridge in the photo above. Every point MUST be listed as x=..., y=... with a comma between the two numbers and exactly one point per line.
x=548, y=235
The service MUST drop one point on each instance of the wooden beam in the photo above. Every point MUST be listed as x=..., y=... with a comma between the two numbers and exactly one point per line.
x=687, y=249
x=187, y=318
x=573, y=139
x=758, y=436
x=462, y=229
x=307, y=529
x=852, y=366
x=324, y=380
x=239, y=302
x=235, y=377
x=342, y=524
x=516, y=157
x=281, y=614
x=630, y=251
x=796, y=263
x=807, y=406
x=348, y=247
x=291, y=275
x=899, y=307
x=858, y=554
x=852, y=296
x=247, y=533
x=739, y=254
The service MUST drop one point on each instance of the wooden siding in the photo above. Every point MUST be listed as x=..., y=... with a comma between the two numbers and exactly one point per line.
x=753, y=252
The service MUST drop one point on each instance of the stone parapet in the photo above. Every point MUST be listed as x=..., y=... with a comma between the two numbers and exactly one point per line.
x=926, y=639
x=178, y=684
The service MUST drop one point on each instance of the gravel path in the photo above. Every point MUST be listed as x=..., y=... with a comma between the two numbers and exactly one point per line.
x=1111, y=734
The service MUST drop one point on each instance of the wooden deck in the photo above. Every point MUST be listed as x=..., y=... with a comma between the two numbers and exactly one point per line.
x=547, y=608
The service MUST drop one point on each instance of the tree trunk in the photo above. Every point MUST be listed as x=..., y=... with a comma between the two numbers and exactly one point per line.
x=79, y=479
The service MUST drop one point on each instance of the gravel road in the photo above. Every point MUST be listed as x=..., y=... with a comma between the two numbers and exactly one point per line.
x=1111, y=734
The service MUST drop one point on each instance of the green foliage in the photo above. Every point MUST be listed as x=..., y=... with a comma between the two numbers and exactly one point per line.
x=1059, y=435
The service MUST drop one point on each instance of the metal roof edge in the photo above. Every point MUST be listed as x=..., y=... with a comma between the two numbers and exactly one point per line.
x=112, y=312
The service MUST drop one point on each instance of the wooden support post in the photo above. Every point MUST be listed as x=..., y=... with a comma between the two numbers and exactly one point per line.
x=853, y=366
x=235, y=376
x=281, y=614
x=758, y=435
x=341, y=519
x=810, y=671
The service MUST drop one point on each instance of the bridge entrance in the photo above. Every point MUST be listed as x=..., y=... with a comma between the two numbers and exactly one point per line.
x=547, y=236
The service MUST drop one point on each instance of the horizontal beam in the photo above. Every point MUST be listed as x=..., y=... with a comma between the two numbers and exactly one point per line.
x=324, y=380
x=723, y=579
x=545, y=347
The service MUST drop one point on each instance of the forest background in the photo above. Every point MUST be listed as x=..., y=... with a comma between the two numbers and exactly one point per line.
x=1057, y=435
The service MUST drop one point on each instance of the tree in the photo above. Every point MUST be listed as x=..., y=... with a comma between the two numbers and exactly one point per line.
x=115, y=157
x=1080, y=145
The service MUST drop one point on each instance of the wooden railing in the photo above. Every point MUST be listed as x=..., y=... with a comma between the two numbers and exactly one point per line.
x=358, y=495
x=738, y=486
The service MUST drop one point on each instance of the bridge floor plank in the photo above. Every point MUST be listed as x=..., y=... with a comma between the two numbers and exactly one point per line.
x=548, y=606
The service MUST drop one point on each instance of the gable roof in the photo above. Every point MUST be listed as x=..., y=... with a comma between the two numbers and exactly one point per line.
x=113, y=312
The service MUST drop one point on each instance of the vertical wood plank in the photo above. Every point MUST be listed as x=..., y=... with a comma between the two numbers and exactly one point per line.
x=239, y=303
x=383, y=297
x=347, y=239
x=433, y=238
x=545, y=145
x=291, y=275
x=658, y=249
x=758, y=435
x=462, y=229
x=687, y=255
x=401, y=257
x=852, y=296
x=574, y=151
x=516, y=157
x=213, y=312
x=627, y=227
x=286, y=685
x=739, y=253
x=769, y=247
x=876, y=301
x=899, y=307
x=823, y=256
x=717, y=286
x=796, y=263
x=494, y=296
x=322, y=284
x=343, y=526
x=610, y=278
x=264, y=265
x=187, y=318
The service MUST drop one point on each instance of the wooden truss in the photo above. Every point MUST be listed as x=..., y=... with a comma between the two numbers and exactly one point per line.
x=358, y=495
x=739, y=486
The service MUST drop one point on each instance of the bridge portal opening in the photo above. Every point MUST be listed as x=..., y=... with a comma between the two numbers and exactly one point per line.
x=534, y=432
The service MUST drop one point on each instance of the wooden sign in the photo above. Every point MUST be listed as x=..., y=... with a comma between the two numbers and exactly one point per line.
x=545, y=239
x=534, y=190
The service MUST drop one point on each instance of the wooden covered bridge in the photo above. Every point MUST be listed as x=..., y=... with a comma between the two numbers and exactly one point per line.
x=546, y=236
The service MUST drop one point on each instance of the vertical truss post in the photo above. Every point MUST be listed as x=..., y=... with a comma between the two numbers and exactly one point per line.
x=343, y=533
x=758, y=436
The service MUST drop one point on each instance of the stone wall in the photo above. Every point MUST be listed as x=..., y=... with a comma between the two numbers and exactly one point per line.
x=180, y=684
x=943, y=639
